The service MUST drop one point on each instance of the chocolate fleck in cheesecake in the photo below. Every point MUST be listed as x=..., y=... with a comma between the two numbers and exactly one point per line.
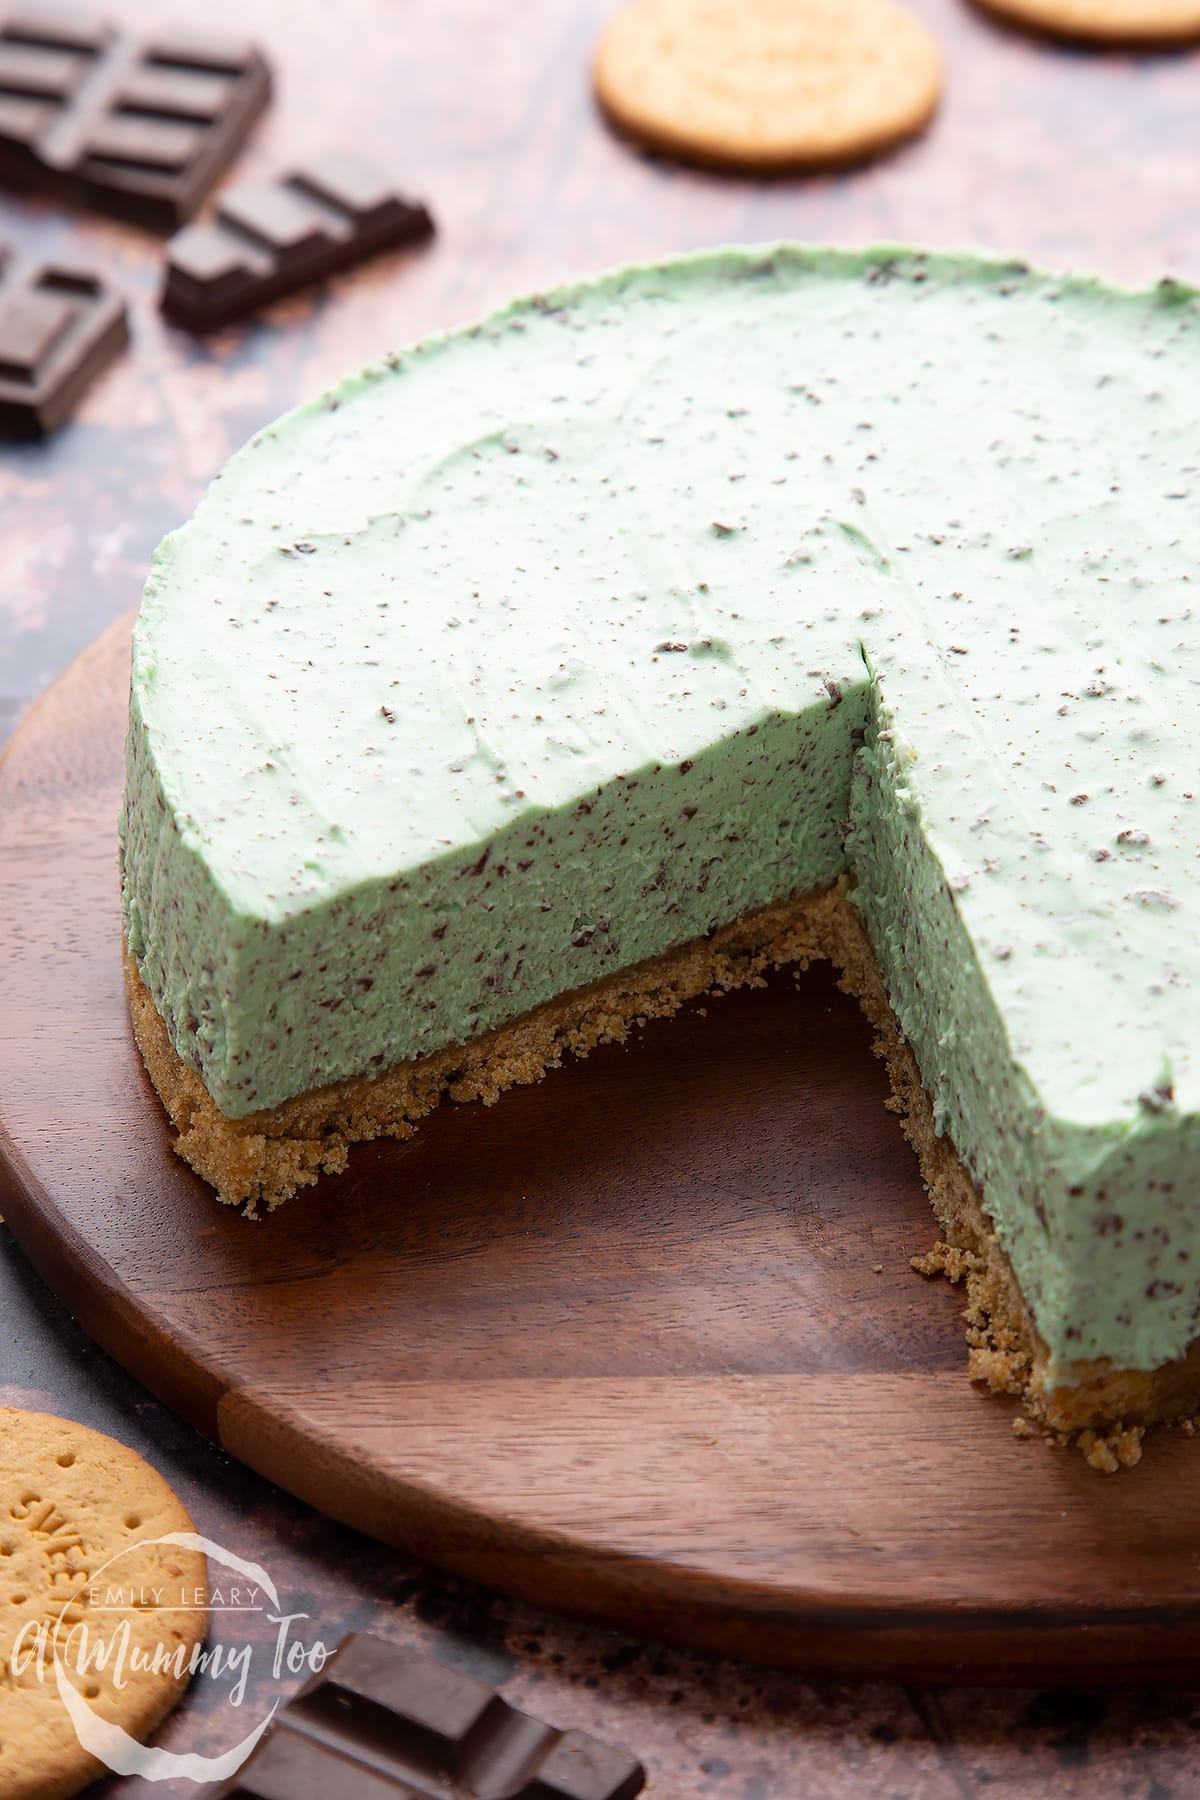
x=761, y=606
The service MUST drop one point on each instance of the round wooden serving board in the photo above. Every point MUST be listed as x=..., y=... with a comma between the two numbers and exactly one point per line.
x=617, y=1345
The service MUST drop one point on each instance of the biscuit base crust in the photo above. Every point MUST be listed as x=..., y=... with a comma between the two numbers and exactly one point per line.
x=262, y=1159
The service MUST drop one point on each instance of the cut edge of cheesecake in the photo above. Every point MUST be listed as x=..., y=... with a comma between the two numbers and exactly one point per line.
x=265, y=1158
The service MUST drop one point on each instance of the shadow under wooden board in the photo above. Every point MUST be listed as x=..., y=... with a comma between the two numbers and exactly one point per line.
x=617, y=1345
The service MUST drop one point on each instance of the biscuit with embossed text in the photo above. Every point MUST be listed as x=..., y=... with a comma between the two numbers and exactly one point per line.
x=89, y=1594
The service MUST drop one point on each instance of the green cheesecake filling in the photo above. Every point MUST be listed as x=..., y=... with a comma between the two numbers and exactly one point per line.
x=556, y=643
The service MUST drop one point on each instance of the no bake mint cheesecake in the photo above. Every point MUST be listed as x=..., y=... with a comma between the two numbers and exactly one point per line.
x=761, y=606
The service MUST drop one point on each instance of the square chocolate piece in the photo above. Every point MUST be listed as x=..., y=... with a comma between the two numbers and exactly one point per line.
x=137, y=126
x=272, y=238
x=380, y=1723
x=59, y=329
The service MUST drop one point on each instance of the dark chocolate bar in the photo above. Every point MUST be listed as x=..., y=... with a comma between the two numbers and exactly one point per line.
x=275, y=237
x=379, y=1723
x=138, y=126
x=59, y=328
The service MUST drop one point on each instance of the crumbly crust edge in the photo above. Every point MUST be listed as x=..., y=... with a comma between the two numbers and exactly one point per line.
x=263, y=1159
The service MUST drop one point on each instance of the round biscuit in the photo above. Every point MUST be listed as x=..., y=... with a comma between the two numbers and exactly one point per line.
x=1145, y=22
x=78, y=1513
x=767, y=84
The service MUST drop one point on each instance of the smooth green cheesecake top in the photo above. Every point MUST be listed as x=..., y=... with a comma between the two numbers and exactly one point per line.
x=550, y=644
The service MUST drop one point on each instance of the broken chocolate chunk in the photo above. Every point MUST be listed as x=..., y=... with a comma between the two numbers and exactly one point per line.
x=273, y=238
x=380, y=1723
x=137, y=126
x=59, y=329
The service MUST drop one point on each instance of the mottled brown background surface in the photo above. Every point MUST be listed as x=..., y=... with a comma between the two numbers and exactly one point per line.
x=1067, y=157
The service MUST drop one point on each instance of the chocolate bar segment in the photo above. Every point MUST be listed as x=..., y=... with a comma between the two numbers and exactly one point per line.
x=379, y=1723
x=276, y=237
x=59, y=328
x=137, y=126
